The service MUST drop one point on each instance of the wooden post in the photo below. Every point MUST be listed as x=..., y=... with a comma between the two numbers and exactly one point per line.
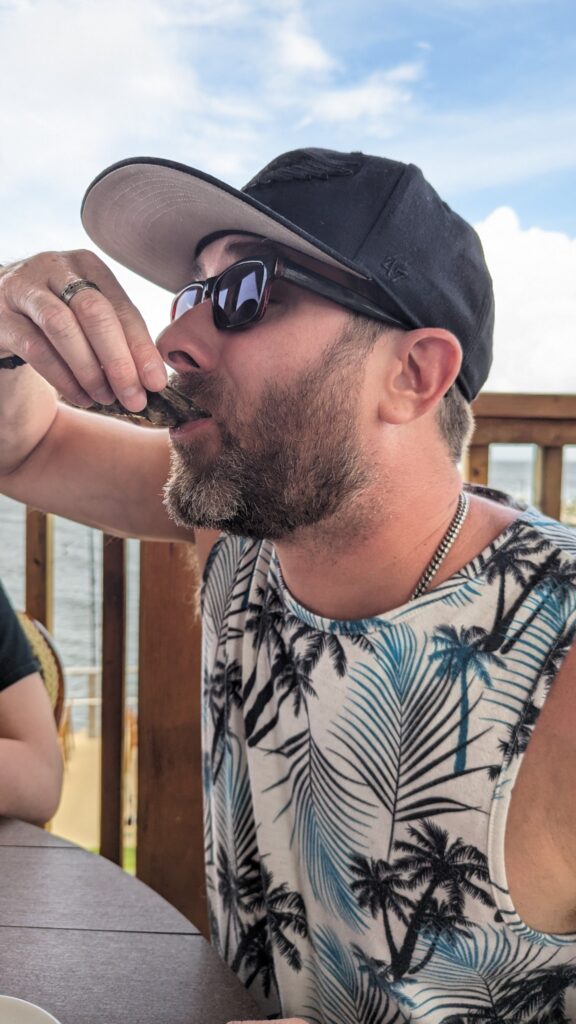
x=113, y=691
x=170, y=847
x=548, y=481
x=40, y=567
x=476, y=471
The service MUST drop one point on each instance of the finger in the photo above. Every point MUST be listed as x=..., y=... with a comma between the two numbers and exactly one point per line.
x=87, y=336
x=151, y=369
x=84, y=353
x=23, y=338
x=119, y=336
x=57, y=338
x=105, y=355
x=115, y=330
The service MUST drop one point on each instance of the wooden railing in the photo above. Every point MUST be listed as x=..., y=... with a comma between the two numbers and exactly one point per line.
x=547, y=421
x=169, y=830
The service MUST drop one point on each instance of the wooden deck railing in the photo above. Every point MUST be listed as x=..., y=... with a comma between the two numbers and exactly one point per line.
x=169, y=831
x=547, y=421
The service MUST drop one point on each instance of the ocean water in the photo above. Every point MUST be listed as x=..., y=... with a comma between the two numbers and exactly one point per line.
x=77, y=628
x=78, y=575
x=512, y=467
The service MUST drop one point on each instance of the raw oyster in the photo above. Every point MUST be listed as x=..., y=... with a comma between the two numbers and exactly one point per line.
x=166, y=408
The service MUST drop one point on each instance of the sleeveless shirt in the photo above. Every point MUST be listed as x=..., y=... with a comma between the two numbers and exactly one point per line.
x=357, y=777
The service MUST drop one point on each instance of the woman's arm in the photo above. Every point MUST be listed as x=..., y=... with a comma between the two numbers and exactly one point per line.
x=30, y=760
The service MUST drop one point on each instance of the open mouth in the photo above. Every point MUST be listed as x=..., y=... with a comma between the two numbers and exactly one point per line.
x=166, y=408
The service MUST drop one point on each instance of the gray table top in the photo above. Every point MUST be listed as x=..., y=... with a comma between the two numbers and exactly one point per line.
x=92, y=945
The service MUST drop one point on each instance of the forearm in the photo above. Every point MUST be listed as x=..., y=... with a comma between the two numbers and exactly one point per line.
x=30, y=781
x=99, y=471
x=28, y=406
x=27, y=403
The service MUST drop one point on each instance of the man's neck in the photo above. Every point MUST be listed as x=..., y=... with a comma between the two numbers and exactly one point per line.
x=379, y=569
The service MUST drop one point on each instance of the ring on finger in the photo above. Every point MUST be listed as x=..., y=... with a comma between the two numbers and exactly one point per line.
x=78, y=285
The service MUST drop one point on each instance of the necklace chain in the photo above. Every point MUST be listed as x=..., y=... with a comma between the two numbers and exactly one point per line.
x=443, y=547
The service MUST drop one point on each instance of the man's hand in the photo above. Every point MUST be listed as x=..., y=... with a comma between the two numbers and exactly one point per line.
x=95, y=349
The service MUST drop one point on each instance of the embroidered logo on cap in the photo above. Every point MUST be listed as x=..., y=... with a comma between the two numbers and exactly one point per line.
x=394, y=269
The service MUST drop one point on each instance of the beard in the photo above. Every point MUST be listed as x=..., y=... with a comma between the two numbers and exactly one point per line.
x=296, y=463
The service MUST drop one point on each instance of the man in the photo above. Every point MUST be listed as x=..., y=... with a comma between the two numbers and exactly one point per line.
x=378, y=644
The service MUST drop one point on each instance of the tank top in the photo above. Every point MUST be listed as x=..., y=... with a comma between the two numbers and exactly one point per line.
x=357, y=776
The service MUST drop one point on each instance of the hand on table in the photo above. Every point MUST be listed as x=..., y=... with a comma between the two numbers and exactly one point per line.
x=95, y=349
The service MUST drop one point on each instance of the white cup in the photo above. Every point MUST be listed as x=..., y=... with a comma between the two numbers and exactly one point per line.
x=18, y=1011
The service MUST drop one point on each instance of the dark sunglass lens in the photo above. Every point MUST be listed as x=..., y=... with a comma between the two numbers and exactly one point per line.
x=238, y=295
x=189, y=298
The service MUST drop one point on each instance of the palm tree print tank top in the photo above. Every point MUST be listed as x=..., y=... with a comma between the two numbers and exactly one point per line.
x=357, y=778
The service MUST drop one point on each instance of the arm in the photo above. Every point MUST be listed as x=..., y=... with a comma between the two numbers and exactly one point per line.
x=30, y=759
x=102, y=472
x=30, y=762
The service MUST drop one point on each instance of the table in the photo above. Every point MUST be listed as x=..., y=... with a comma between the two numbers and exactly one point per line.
x=90, y=944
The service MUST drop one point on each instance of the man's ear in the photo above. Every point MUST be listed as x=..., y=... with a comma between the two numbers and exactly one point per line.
x=425, y=364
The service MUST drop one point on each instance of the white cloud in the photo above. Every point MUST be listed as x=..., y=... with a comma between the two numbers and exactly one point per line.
x=405, y=73
x=481, y=5
x=491, y=145
x=296, y=51
x=376, y=102
x=534, y=273
x=462, y=7
x=205, y=13
x=88, y=75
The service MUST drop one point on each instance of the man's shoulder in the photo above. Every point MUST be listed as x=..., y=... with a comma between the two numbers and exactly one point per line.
x=531, y=519
x=561, y=536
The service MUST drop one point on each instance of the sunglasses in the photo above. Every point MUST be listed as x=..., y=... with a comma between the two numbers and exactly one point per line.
x=240, y=294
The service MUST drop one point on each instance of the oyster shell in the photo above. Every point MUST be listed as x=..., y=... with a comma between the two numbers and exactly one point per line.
x=166, y=408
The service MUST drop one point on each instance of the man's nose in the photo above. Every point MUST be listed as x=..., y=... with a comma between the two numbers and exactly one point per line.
x=192, y=341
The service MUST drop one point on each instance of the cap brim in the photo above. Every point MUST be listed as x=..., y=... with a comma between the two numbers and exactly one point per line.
x=150, y=214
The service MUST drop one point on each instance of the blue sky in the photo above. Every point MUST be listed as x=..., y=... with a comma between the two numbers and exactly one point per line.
x=480, y=93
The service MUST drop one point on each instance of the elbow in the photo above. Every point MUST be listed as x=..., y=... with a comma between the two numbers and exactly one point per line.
x=51, y=790
x=45, y=793
x=31, y=774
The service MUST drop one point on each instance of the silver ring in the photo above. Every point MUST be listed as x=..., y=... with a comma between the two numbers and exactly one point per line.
x=76, y=286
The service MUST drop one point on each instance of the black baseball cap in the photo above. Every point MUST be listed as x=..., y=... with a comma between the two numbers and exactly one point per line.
x=376, y=217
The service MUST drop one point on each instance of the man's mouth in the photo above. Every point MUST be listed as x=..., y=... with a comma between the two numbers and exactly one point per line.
x=192, y=413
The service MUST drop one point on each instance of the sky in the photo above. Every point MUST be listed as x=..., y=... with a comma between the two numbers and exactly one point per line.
x=481, y=94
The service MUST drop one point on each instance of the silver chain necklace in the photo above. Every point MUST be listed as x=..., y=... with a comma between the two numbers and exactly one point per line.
x=443, y=547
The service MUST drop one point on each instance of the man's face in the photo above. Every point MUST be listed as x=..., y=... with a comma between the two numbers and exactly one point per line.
x=281, y=449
